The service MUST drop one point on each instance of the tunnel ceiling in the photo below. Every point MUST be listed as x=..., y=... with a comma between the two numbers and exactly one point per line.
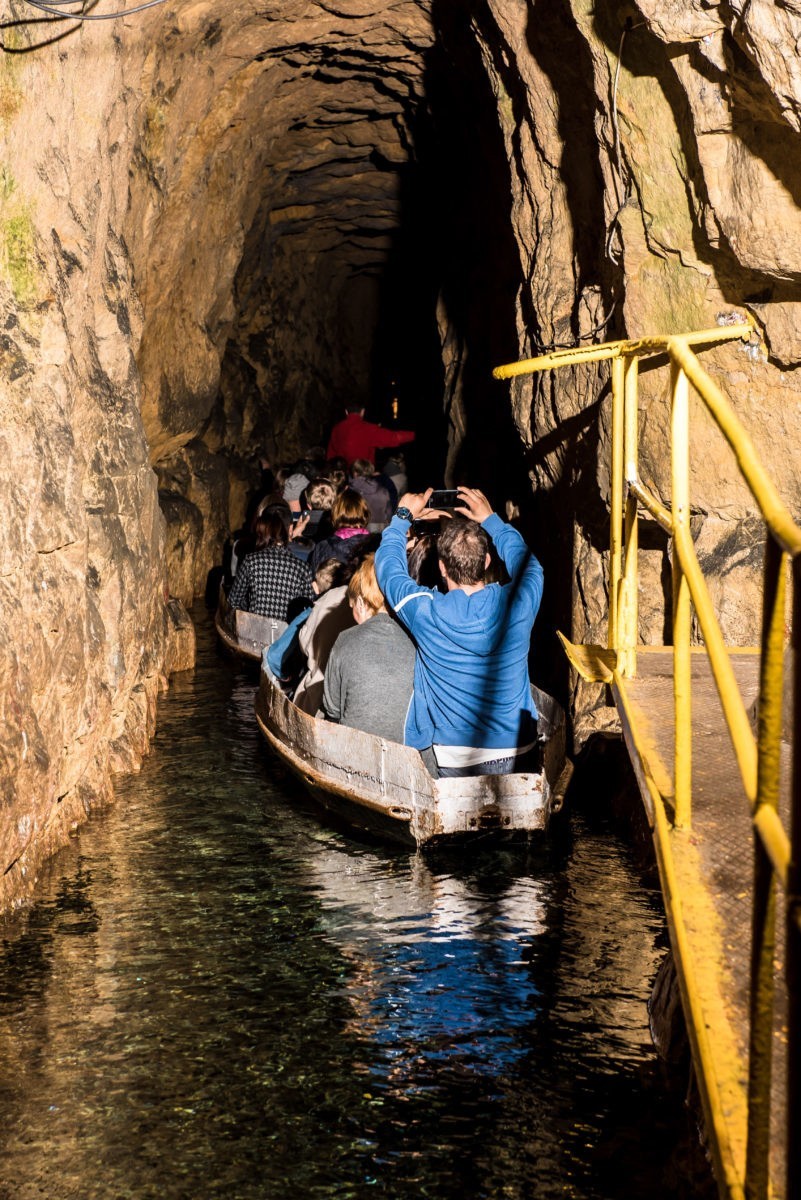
x=265, y=197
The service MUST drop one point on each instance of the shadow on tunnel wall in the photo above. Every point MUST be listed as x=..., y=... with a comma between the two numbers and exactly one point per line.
x=457, y=256
x=454, y=251
x=479, y=261
x=756, y=119
x=456, y=248
x=566, y=444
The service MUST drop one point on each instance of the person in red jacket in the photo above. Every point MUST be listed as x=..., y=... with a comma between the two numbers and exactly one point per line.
x=356, y=438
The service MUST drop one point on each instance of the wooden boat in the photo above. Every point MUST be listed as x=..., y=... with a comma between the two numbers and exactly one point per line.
x=245, y=634
x=385, y=788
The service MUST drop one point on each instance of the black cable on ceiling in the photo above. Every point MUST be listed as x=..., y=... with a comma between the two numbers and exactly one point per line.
x=53, y=7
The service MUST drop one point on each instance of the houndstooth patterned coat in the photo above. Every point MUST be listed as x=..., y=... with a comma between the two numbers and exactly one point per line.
x=268, y=580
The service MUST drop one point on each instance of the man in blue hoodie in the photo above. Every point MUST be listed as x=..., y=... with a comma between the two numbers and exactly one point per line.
x=472, y=698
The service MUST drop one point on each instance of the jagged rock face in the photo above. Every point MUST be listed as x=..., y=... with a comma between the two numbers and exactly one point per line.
x=157, y=166
x=655, y=187
x=219, y=226
x=83, y=622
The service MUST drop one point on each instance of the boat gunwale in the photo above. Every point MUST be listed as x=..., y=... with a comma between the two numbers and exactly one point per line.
x=481, y=790
x=232, y=643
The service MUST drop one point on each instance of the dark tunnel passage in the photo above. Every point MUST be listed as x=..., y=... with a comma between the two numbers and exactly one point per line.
x=377, y=262
x=380, y=265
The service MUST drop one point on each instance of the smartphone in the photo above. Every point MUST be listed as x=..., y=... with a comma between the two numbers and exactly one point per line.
x=444, y=498
x=432, y=526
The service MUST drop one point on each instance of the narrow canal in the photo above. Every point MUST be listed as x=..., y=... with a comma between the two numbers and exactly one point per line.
x=217, y=995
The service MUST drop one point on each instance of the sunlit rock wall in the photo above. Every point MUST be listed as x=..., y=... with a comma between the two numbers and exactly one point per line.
x=141, y=162
x=655, y=184
x=83, y=623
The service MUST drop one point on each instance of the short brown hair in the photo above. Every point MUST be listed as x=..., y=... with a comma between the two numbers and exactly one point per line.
x=349, y=510
x=320, y=494
x=361, y=468
x=365, y=585
x=463, y=547
x=332, y=573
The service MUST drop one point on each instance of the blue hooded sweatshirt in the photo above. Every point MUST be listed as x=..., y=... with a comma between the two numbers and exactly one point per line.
x=471, y=684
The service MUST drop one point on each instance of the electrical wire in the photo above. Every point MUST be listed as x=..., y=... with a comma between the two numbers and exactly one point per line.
x=53, y=9
x=617, y=169
x=582, y=337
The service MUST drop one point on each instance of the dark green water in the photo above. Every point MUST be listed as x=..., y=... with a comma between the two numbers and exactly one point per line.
x=216, y=995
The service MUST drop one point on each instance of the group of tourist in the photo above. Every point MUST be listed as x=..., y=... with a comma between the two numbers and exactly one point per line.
x=392, y=622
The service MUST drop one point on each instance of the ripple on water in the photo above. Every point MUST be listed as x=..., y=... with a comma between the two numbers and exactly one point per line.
x=216, y=995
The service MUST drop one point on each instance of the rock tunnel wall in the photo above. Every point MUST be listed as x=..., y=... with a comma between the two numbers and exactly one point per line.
x=218, y=225
x=653, y=153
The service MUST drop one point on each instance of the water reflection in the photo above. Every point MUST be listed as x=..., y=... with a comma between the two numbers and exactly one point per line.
x=441, y=972
x=216, y=995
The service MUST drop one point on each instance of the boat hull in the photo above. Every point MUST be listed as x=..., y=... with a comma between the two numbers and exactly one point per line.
x=384, y=788
x=245, y=634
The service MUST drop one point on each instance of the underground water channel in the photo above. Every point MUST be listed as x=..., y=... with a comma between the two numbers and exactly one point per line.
x=217, y=994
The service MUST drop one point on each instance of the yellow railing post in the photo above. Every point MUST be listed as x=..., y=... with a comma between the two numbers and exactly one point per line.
x=628, y=607
x=793, y=915
x=682, y=612
x=616, y=504
x=763, y=928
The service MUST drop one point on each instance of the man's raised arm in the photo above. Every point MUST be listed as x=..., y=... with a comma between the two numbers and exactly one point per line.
x=391, y=565
x=386, y=439
x=523, y=568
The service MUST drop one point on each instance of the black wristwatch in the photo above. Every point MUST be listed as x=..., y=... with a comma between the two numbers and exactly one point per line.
x=404, y=513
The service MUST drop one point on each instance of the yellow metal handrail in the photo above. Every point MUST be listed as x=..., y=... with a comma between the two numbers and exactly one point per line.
x=758, y=759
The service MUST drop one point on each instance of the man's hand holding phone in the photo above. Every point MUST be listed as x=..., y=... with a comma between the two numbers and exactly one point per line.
x=443, y=498
x=473, y=504
x=468, y=502
x=415, y=501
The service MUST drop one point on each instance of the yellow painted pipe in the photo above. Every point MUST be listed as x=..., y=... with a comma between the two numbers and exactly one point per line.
x=616, y=503
x=628, y=619
x=639, y=347
x=773, y=836
x=731, y=701
x=770, y=503
x=682, y=610
x=649, y=502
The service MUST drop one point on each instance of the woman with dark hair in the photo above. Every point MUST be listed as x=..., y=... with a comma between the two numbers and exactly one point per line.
x=336, y=469
x=270, y=578
x=350, y=517
x=423, y=559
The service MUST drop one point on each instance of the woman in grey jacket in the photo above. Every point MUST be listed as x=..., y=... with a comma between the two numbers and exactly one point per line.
x=368, y=679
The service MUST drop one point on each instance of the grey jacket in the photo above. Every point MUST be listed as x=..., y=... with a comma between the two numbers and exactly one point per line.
x=369, y=676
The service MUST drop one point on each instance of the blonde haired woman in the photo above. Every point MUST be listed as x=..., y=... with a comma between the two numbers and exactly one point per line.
x=349, y=517
x=370, y=672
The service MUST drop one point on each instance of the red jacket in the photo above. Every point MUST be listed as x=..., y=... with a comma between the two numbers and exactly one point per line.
x=356, y=438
